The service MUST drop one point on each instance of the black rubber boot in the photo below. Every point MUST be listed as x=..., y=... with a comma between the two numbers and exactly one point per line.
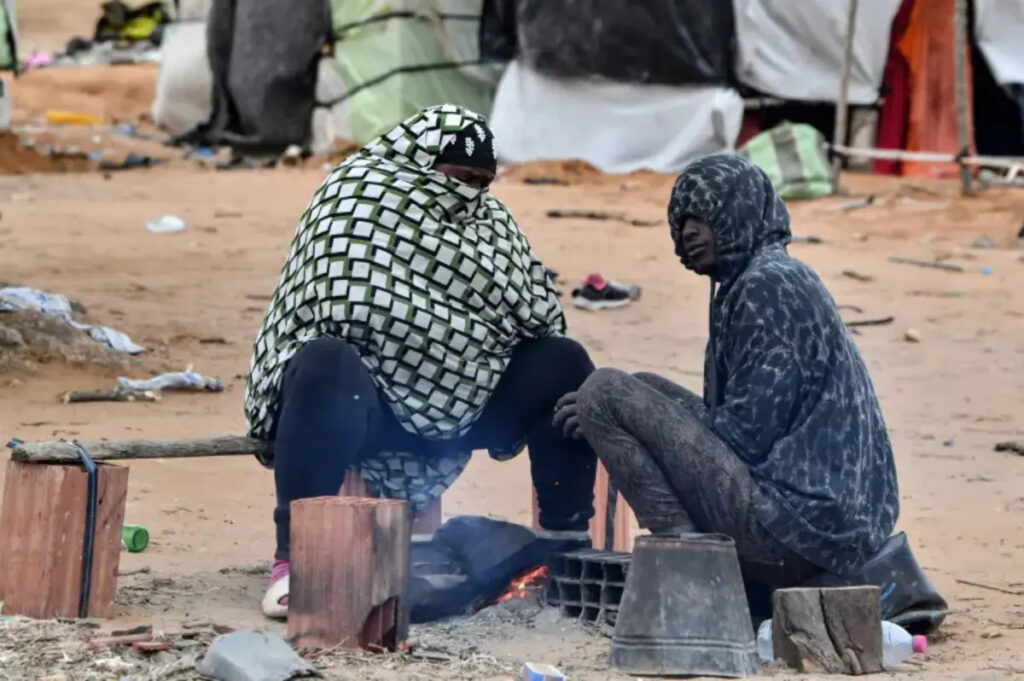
x=909, y=599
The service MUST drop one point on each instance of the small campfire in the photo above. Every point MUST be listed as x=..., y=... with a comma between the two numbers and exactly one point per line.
x=522, y=585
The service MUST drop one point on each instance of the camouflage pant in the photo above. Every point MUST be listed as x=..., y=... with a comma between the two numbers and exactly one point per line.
x=676, y=474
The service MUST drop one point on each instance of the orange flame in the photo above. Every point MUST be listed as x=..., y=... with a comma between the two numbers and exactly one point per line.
x=520, y=586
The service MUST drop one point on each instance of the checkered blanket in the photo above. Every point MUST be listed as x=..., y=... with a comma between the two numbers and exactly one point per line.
x=430, y=279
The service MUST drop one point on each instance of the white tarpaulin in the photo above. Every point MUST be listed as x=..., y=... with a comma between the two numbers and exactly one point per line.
x=184, y=89
x=794, y=50
x=999, y=30
x=617, y=127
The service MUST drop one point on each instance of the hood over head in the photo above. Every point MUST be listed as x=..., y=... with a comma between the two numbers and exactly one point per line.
x=738, y=202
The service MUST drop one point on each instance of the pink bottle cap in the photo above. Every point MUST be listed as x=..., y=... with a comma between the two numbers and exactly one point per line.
x=920, y=644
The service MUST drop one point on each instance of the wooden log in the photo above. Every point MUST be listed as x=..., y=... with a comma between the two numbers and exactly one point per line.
x=65, y=452
x=349, y=573
x=831, y=631
x=961, y=51
x=42, y=533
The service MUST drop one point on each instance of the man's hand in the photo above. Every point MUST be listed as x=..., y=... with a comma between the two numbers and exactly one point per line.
x=567, y=416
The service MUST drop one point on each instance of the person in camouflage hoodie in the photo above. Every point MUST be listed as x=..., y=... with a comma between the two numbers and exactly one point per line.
x=787, y=452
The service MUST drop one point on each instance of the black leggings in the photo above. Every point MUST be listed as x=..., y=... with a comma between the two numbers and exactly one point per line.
x=331, y=417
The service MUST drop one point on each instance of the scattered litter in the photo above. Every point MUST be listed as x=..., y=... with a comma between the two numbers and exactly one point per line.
x=71, y=118
x=600, y=215
x=292, y=156
x=227, y=214
x=871, y=322
x=984, y=242
x=38, y=59
x=857, y=276
x=597, y=293
x=213, y=340
x=545, y=179
x=73, y=396
x=858, y=204
x=532, y=671
x=934, y=264
x=986, y=270
x=797, y=239
x=948, y=443
x=252, y=655
x=180, y=380
x=130, y=162
x=168, y=224
x=912, y=336
x=1014, y=447
x=18, y=298
x=134, y=538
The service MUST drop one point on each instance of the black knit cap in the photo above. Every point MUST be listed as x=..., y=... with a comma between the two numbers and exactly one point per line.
x=473, y=146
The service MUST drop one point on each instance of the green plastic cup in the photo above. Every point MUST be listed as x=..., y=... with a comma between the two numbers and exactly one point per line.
x=135, y=538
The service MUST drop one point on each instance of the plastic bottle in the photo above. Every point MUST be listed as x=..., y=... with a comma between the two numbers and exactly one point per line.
x=897, y=644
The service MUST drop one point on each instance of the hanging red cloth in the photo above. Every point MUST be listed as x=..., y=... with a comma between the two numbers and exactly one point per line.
x=895, y=113
x=929, y=46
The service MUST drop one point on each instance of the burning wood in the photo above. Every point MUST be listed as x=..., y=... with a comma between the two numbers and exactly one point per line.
x=520, y=586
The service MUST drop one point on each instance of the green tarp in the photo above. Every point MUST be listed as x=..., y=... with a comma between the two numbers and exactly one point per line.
x=7, y=18
x=398, y=57
x=795, y=158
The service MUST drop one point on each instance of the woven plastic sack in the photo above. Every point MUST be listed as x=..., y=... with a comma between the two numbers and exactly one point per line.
x=795, y=158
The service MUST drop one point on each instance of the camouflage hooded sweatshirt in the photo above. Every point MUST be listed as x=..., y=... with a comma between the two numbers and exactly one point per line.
x=785, y=386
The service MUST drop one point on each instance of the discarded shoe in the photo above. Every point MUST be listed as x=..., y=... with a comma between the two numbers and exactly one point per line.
x=599, y=294
x=909, y=599
x=275, y=601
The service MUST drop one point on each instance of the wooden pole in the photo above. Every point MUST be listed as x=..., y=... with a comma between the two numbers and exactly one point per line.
x=103, y=450
x=349, y=572
x=842, y=99
x=42, y=534
x=962, y=114
x=832, y=631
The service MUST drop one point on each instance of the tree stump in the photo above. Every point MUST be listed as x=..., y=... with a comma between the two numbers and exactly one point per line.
x=832, y=631
x=42, y=535
x=349, y=573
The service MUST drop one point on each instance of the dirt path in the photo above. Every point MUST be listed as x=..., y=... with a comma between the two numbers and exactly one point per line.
x=947, y=399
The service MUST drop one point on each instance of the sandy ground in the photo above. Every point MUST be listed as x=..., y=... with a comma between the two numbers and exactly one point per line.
x=947, y=399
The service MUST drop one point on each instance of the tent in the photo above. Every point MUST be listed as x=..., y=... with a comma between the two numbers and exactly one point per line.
x=8, y=35
x=8, y=57
x=184, y=89
x=624, y=85
x=591, y=70
x=394, y=58
x=278, y=74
